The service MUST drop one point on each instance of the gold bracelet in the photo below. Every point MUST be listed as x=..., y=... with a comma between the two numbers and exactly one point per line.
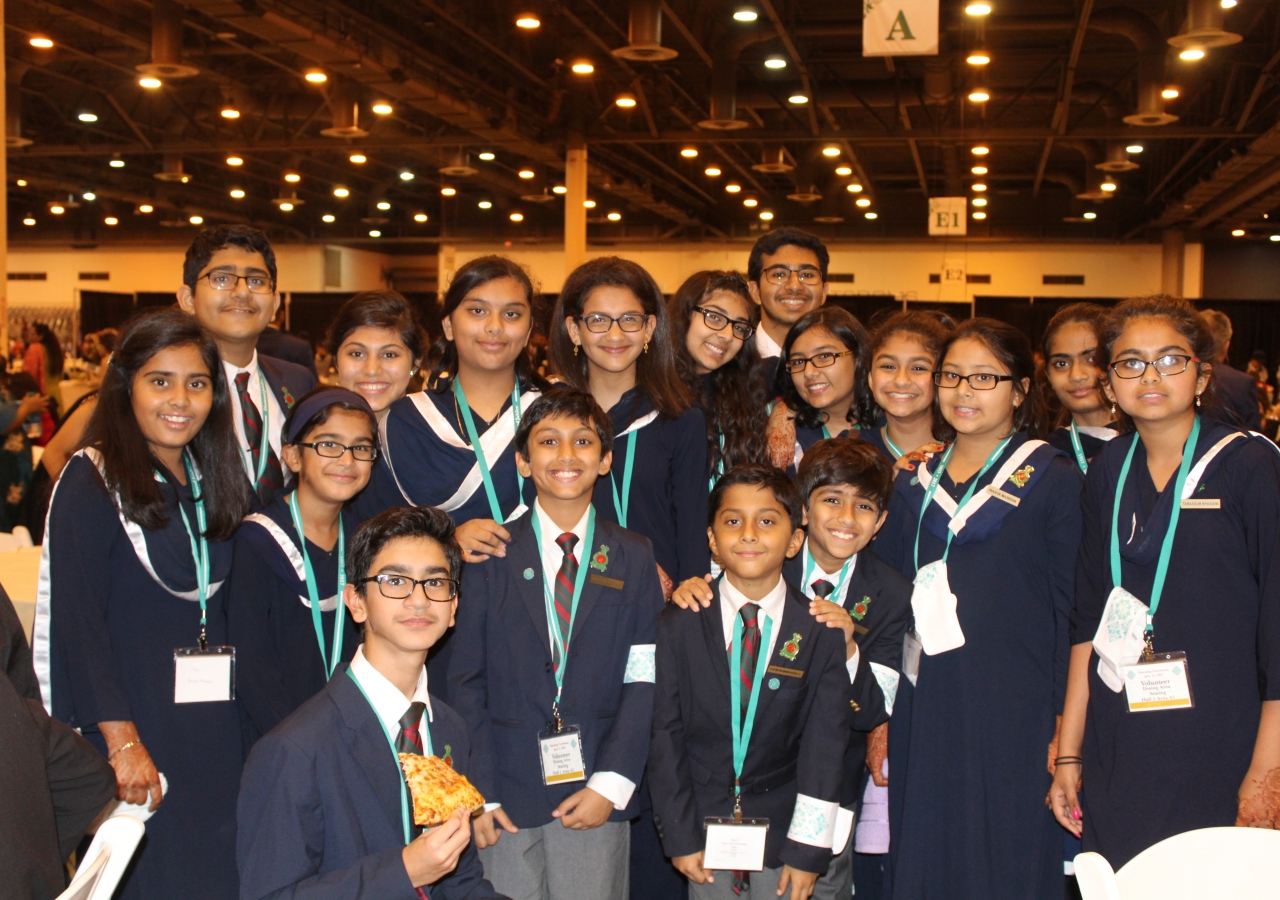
x=122, y=748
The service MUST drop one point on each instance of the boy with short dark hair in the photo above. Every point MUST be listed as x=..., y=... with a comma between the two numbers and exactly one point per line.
x=556, y=681
x=324, y=810
x=752, y=705
x=229, y=285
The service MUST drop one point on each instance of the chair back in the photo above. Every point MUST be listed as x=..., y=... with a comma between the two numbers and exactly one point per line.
x=1208, y=864
x=87, y=878
x=117, y=840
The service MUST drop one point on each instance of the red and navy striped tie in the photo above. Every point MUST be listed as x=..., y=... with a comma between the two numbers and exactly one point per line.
x=750, y=613
x=409, y=740
x=563, y=593
x=272, y=478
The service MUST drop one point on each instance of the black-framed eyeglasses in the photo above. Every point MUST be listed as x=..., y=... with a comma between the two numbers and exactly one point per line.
x=227, y=281
x=796, y=364
x=334, y=450
x=400, y=587
x=718, y=321
x=1169, y=364
x=979, y=381
x=599, y=323
x=781, y=274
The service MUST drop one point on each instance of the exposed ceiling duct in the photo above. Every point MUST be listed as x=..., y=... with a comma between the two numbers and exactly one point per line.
x=166, y=43
x=1152, y=51
x=172, y=171
x=724, y=79
x=1093, y=174
x=774, y=162
x=458, y=165
x=1203, y=27
x=644, y=35
x=344, y=107
x=806, y=175
x=14, y=73
x=1117, y=159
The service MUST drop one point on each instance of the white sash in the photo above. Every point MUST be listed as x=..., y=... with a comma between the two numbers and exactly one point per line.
x=290, y=550
x=636, y=425
x=948, y=503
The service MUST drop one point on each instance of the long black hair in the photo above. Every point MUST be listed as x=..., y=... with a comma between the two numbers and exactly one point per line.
x=732, y=396
x=1013, y=350
x=127, y=462
x=1088, y=314
x=53, y=358
x=442, y=361
x=846, y=328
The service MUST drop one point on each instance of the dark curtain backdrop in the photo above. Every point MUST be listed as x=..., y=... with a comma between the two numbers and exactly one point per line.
x=103, y=309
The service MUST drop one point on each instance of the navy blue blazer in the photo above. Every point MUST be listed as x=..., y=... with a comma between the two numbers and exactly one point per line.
x=1237, y=398
x=288, y=381
x=800, y=727
x=879, y=600
x=319, y=811
x=280, y=345
x=501, y=680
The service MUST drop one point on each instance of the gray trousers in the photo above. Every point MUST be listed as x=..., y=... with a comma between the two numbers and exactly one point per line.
x=837, y=884
x=552, y=862
x=763, y=886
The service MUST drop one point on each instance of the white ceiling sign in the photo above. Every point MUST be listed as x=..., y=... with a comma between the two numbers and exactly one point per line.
x=900, y=27
x=948, y=215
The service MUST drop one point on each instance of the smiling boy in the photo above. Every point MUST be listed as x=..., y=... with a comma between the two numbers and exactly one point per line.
x=554, y=673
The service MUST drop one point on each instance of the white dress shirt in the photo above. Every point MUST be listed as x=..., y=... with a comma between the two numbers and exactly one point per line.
x=766, y=346
x=388, y=702
x=732, y=600
x=837, y=596
x=273, y=417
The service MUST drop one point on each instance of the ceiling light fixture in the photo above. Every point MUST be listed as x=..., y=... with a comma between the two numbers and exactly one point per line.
x=488, y=156
x=485, y=204
x=589, y=204
x=21, y=182
x=732, y=187
x=581, y=67
x=57, y=210
x=844, y=170
x=1133, y=148
x=559, y=189
x=1191, y=54
x=230, y=112
x=358, y=158
x=1169, y=93
x=516, y=217
x=420, y=217
x=775, y=62
x=979, y=95
x=712, y=171
x=854, y=188
x=528, y=21
x=978, y=58
x=116, y=163
x=979, y=215
x=196, y=220
x=111, y=220
x=626, y=101
x=978, y=9
x=871, y=216
x=745, y=14
x=1228, y=4
x=1274, y=238
x=1237, y=232
x=292, y=177
x=979, y=186
x=979, y=170
x=87, y=117
x=766, y=215
x=526, y=173
x=980, y=150
x=979, y=201
x=90, y=196
x=862, y=202
x=150, y=82
x=28, y=221
x=1091, y=215
x=798, y=99
x=750, y=202
x=341, y=191
x=383, y=108
x=831, y=151
x=1109, y=186
x=406, y=175
x=384, y=205
x=448, y=191
x=614, y=217
x=315, y=76
x=146, y=208
x=237, y=193
x=235, y=160
x=375, y=233
x=40, y=42
x=328, y=217
x=689, y=152
x=286, y=206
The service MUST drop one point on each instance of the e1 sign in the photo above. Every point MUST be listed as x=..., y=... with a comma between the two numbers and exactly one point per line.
x=948, y=215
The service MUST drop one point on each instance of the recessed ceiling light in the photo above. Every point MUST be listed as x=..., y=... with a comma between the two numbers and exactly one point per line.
x=978, y=58
x=980, y=150
x=871, y=215
x=1109, y=185
x=1133, y=148
x=328, y=217
x=854, y=188
x=40, y=42
x=766, y=216
x=1274, y=237
x=516, y=217
x=526, y=173
x=237, y=193
x=712, y=171
x=1191, y=54
x=286, y=207
x=384, y=205
x=116, y=163
x=150, y=82
x=375, y=233
x=196, y=220
x=1169, y=93
x=87, y=117
x=844, y=170
x=979, y=201
x=979, y=186
x=732, y=187
x=589, y=204
x=775, y=62
x=315, y=76
x=1091, y=215
x=559, y=189
x=111, y=220
x=28, y=221
x=979, y=215
x=1237, y=232
x=689, y=152
x=831, y=151
x=358, y=158
x=383, y=108
x=488, y=156
x=581, y=67
x=978, y=9
x=229, y=112
x=626, y=101
x=57, y=210
x=750, y=202
x=22, y=182
x=146, y=208
x=979, y=170
x=528, y=20
x=341, y=191
x=1228, y=4
x=863, y=202
x=485, y=204
x=419, y=217
x=235, y=160
x=614, y=217
x=90, y=196
x=292, y=177
x=448, y=191
x=979, y=95
x=406, y=175
x=745, y=14
x=798, y=99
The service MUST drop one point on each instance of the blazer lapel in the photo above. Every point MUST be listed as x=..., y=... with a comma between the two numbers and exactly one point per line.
x=522, y=557
x=603, y=537
x=368, y=742
x=795, y=623
x=713, y=634
x=860, y=594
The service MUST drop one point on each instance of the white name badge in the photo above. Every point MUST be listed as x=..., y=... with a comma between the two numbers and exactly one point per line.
x=934, y=607
x=1011, y=499
x=911, y=656
x=735, y=846
x=1202, y=503
x=1118, y=641
x=204, y=676
x=1162, y=683
x=561, y=754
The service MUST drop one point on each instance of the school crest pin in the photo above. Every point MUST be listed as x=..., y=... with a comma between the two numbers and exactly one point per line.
x=528, y=574
x=1022, y=476
x=288, y=397
x=774, y=684
x=448, y=755
x=860, y=608
x=790, y=648
x=600, y=559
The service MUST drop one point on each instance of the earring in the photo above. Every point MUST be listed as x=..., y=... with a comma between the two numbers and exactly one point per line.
x=1113, y=409
x=1197, y=400
x=646, y=346
x=575, y=349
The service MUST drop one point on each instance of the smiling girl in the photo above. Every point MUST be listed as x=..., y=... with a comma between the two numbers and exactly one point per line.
x=989, y=529
x=901, y=357
x=284, y=613
x=377, y=346
x=135, y=554
x=1183, y=514
x=1070, y=351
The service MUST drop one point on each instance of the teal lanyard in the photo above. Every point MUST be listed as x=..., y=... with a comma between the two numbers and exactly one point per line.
x=1075, y=445
x=742, y=729
x=888, y=442
x=548, y=595
x=469, y=423
x=313, y=593
x=264, y=440
x=1166, y=548
x=424, y=728
x=199, y=547
x=810, y=564
x=826, y=435
x=621, y=504
x=933, y=487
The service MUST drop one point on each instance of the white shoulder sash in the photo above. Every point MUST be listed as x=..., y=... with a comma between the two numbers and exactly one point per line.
x=290, y=550
x=948, y=504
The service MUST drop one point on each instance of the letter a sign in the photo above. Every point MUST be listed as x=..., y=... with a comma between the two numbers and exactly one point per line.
x=899, y=27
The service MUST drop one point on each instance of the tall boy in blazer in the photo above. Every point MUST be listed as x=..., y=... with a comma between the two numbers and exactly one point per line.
x=324, y=811
x=802, y=706
x=559, y=640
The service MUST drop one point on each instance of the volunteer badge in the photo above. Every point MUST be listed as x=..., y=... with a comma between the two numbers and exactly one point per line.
x=600, y=559
x=1022, y=476
x=790, y=648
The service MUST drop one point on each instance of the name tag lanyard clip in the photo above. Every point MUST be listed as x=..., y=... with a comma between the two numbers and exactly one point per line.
x=968, y=495
x=559, y=646
x=1166, y=547
x=313, y=592
x=469, y=423
x=743, y=725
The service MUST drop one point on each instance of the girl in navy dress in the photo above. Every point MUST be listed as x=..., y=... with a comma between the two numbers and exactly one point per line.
x=285, y=614
x=901, y=358
x=135, y=556
x=719, y=364
x=1070, y=351
x=1198, y=545
x=990, y=530
x=611, y=336
x=377, y=347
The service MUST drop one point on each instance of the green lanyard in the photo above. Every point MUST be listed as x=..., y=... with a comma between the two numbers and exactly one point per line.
x=314, y=594
x=548, y=595
x=199, y=547
x=264, y=440
x=395, y=755
x=742, y=729
x=1166, y=548
x=1075, y=445
x=469, y=423
x=933, y=487
x=621, y=504
x=826, y=435
x=810, y=563
x=888, y=442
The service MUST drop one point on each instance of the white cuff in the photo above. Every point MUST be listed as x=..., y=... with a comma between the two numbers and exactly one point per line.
x=851, y=664
x=888, y=681
x=813, y=822
x=613, y=787
x=640, y=664
x=490, y=807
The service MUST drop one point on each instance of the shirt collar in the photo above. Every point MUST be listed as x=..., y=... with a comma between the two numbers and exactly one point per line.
x=233, y=370
x=551, y=530
x=387, y=701
x=766, y=346
x=732, y=600
x=817, y=567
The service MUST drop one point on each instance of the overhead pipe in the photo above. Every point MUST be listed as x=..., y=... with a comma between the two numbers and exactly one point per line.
x=1152, y=52
x=166, y=43
x=1093, y=175
x=644, y=34
x=14, y=73
x=724, y=79
x=1203, y=27
x=344, y=109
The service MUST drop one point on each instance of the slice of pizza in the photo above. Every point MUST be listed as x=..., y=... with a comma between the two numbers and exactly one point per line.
x=437, y=789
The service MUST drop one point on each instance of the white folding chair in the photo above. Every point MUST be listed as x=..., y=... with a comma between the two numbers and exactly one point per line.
x=1207, y=864
x=106, y=859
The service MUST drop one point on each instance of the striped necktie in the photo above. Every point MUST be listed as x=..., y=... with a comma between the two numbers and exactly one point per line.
x=750, y=613
x=822, y=588
x=409, y=740
x=563, y=593
x=272, y=478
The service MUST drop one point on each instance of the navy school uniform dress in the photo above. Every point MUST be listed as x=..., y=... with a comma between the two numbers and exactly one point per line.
x=1151, y=775
x=320, y=805
x=974, y=778
x=801, y=725
x=117, y=601
x=278, y=660
x=806, y=437
x=427, y=460
x=504, y=685
x=1092, y=440
x=667, y=500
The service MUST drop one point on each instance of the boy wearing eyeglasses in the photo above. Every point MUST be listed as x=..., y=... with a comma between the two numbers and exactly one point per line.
x=229, y=285
x=556, y=681
x=787, y=276
x=324, y=811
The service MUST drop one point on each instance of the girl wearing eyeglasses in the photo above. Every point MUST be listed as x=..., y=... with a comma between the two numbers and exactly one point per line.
x=719, y=364
x=1181, y=540
x=1070, y=352
x=285, y=614
x=822, y=377
x=989, y=530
